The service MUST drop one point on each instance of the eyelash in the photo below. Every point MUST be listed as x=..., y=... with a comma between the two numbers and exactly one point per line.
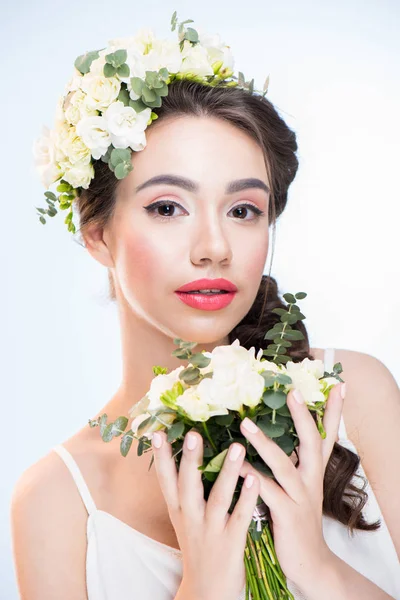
x=152, y=207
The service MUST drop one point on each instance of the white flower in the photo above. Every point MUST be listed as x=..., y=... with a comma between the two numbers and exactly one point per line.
x=44, y=150
x=74, y=83
x=78, y=174
x=75, y=149
x=126, y=126
x=305, y=377
x=236, y=380
x=94, y=133
x=194, y=403
x=164, y=53
x=160, y=384
x=101, y=91
x=195, y=60
x=76, y=107
x=216, y=49
x=144, y=39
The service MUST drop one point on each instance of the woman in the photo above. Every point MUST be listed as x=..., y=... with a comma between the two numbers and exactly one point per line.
x=198, y=204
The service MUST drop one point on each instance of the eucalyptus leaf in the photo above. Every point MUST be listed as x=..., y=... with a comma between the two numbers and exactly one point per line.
x=137, y=85
x=126, y=442
x=103, y=423
x=301, y=295
x=109, y=70
x=175, y=431
x=274, y=399
x=289, y=298
x=122, y=170
x=224, y=420
x=148, y=94
x=200, y=360
x=215, y=464
x=120, y=423
x=286, y=443
x=107, y=435
x=123, y=70
x=271, y=430
x=83, y=62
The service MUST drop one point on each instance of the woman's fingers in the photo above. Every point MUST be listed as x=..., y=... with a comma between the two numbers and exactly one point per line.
x=166, y=471
x=240, y=519
x=282, y=467
x=191, y=489
x=331, y=422
x=220, y=497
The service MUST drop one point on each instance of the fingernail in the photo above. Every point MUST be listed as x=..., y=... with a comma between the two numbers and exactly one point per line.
x=343, y=390
x=248, y=482
x=234, y=452
x=298, y=396
x=250, y=425
x=191, y=441
x=157, y=440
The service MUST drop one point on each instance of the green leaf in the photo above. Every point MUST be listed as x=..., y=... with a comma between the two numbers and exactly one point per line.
x=64, y=187
x=283, y=379
x=51, y=196
x=289, y=298
x=137, y=105
x=215, y=464
x=144, y=424
x=274, y=399
x=294, y=335
x=175, y=431
x=286, y=443
x=120, y=155
x=83, y=62
x=282, y=342
x=123, y=96
x=137, y=85
x=42, y=220
x=224, y=420
x=270, y=429
x=200, y=360
x=109, y=70
x=123, y=70
x=126, y=442
x=191, y=35
x=107, y=434
x=117, y=58
x=189, y=375
x=300, y=295
x=122, y=170
x=120, y=423
x=148, y=95
x=284, y=411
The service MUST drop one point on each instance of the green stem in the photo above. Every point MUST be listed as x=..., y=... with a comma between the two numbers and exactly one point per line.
x=208, y=435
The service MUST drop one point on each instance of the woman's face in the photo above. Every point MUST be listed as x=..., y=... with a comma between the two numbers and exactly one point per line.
x=199, y=231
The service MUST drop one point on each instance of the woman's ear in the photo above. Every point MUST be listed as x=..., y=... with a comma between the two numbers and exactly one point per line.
x=97, y=246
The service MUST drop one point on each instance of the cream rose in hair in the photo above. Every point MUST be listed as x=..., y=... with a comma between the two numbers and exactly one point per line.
x=126, y=126
x=95, y=134
x=101, y=90
x=44, y=151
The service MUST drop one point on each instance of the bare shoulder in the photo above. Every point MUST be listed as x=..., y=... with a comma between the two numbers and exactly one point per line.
x=47, y=513
x=371, y=414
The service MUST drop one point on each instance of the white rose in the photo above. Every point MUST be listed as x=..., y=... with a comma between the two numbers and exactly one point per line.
x=305, y=377
x=74, y=148
x=101, y=91
x=74, y=83
x=94, y=133
x=44, y=151
x=216, y=49
x=195, y=60
x=126, y=126
x=78, y=175
x=164, y=53
x=194, y=404
x=160, y=384
x=236, y=380
x=76, y=107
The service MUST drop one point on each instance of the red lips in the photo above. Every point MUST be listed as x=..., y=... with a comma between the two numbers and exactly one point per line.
x=208, y=284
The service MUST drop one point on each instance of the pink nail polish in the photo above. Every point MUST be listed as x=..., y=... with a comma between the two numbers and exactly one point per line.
x=298, y=396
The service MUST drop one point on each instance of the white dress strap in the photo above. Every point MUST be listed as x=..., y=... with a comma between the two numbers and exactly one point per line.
x=77, y=476
x=329, y=361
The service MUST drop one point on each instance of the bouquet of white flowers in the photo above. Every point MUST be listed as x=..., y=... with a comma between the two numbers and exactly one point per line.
x=212, y=395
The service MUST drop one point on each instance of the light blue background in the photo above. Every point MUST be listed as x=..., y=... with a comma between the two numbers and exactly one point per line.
x=334, y=76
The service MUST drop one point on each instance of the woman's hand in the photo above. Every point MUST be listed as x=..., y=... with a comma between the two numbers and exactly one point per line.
x=296, y=507
x=211, y=539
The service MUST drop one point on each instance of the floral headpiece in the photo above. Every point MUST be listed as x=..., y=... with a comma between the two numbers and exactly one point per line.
x=107, y=105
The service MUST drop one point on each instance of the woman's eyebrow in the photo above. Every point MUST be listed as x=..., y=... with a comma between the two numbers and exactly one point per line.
x=191, y=186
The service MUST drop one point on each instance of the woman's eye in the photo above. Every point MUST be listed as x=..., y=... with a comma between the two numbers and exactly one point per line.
x=165, y=213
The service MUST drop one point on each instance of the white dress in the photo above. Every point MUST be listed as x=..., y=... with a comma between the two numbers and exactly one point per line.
x=122, y=562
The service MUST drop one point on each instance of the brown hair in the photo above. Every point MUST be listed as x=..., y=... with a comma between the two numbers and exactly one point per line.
x=256, y=116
